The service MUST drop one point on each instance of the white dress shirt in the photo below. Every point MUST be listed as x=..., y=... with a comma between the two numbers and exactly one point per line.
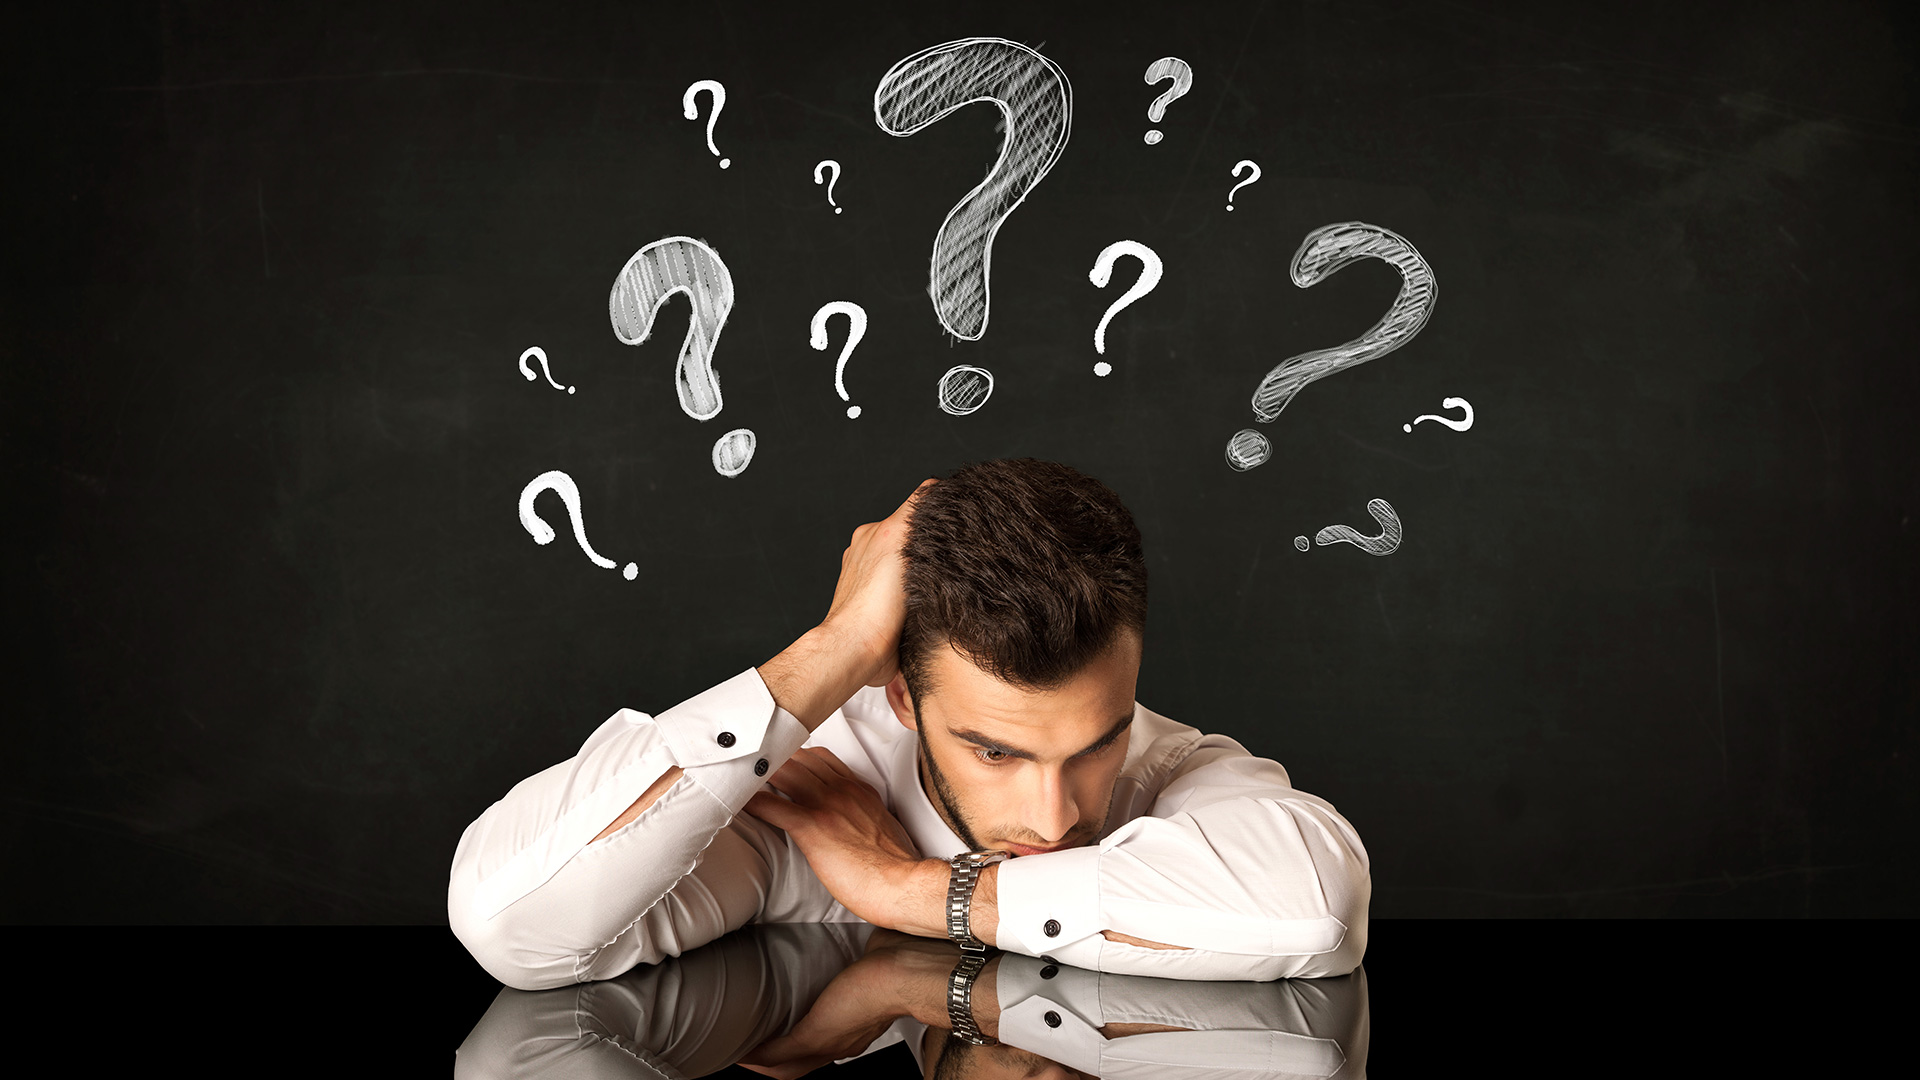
x=1207, y=847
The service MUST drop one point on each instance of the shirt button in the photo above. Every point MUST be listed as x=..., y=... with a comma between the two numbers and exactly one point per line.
x=760, y=767
x=1049, y=971
x=1052, y=1018
x=1052, y=928
x=726, y=738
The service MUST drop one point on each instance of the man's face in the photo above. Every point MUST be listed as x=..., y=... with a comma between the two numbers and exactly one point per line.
x=1024, y=771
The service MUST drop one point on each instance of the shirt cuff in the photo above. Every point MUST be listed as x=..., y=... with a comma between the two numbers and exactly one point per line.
x=729, y=739
x=1050, y=906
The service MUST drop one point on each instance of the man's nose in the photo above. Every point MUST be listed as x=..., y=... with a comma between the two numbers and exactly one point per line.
x=1051, y=810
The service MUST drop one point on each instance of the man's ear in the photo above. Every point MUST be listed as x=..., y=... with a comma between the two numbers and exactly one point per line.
x=902, y=702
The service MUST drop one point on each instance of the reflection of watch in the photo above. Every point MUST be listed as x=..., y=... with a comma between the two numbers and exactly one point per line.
x=966, y=874
x=960, y=999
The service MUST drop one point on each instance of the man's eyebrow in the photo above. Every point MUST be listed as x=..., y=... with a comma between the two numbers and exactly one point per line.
x=986, y=743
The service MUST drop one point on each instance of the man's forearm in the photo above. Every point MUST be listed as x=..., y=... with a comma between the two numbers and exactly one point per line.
x=815, y=675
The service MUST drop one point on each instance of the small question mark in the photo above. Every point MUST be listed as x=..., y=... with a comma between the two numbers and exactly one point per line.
x=1384, y=544
x=692, y=111
x=540, y=354
x=681, y=264
x=1168, y=67
x=1238, y=166
x=569, y=493
x=1102, y=272
x=834, y=167
x=856, y=329
x=1324, y=252
x=1448, y=403
x=1036, y=103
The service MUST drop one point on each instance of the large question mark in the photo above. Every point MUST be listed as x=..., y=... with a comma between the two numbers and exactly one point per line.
x=681, y=264
x=1384, y=544
x=1448, y=403
x=1167, y=67
x=692, y=111
x=834, y=167
x=1324, y=252
x=856, y=329
x=569, y=493
x=1037, y=105
x=1238, y=166
x=1102, y=273
x=540, y=354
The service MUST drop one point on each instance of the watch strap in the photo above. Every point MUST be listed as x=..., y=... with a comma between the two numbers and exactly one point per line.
x=966, y=869
x=960, y=998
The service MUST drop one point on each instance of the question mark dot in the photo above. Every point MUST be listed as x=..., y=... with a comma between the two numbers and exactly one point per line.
x=632, y=571
x=725, y=162
x=569, y=389
x=1406, y=427
x=837, y=209
x=1153, y=137
x=853, y=412
x=1229, y=208
x=1103, y=369
x=1300, y=542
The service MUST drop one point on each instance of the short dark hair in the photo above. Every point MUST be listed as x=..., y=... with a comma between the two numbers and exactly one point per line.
x=1028, y=569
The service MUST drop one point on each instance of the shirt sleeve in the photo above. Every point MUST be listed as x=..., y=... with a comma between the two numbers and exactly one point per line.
x=1251, y=877
x=540, y=904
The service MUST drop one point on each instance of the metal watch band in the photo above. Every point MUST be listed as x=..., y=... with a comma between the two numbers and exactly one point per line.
x=960, y=998
x=966, y=874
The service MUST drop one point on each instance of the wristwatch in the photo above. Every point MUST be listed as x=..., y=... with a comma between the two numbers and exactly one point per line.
x=960, y=998
x=966, y=874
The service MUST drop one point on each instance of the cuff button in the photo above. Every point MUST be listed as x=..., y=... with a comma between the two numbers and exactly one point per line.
x=760, y=767
x=726, y=738
x=1049, y=971
x=1052, y=1018
x=1052, y=928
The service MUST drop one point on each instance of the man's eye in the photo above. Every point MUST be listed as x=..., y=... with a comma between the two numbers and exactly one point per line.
x=991, y=757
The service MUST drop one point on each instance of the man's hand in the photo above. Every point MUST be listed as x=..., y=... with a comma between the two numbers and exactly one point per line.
x=857, y=643
x=857, y=849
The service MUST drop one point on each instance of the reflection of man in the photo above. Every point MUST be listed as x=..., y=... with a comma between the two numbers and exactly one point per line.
x=968, y=697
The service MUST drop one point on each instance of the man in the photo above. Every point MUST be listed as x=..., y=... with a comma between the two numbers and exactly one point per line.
x=974, y=767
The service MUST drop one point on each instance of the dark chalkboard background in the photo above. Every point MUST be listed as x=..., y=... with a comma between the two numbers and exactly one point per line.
x=1647, y=649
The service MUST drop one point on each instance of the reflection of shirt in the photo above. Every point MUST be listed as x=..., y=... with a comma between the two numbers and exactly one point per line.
x=1206, y=846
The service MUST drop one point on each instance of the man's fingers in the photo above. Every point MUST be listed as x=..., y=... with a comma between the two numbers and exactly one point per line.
x=776, y=811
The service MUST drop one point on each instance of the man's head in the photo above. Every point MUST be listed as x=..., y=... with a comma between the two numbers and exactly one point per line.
x=1026, y=597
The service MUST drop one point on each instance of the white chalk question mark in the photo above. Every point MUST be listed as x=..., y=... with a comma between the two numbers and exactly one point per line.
x=692, y=111
x=540, y=354
x=569, y=493
x=1102, y=272
x=1384, y=544
x=1324, y=252
x=681, y=264
x=856, y=329
x=834, y=167
x=1238, y=166
x=1167, y=67
x=1448, y=403
x=1036, y=105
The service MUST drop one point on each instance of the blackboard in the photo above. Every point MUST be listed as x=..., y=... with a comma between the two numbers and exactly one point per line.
x=1646, y=646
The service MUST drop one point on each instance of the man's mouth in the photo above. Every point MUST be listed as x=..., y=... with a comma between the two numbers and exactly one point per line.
x=1022, y=849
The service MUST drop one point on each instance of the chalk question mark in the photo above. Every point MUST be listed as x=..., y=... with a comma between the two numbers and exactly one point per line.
x=1102, y=272
x=1167, y=67
x=692, y=111
x=1384, y=544
x=681, y=264
x=1036, y=104
x=834, y=167
x=1237, y=167
x=569, y=493
x=856, y=329
x=1448, y=403
x=540, y=354
x=1324, y=252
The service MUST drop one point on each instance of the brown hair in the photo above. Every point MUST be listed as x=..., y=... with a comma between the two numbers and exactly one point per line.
x=1029, y=569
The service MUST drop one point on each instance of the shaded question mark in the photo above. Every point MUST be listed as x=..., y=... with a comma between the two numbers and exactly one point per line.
x=1324, y=252
x=1238, y=166
x=834, y=166
x=856, y=329
x=692, y=111
x=569, y=493
x=1384, y=544
x=1036, y=104
x=681, y=264
x=540, y=354
x=1167, y=67
x=1102, y=272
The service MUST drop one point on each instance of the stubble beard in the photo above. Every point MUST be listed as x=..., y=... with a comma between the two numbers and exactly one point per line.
x=950, y=806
